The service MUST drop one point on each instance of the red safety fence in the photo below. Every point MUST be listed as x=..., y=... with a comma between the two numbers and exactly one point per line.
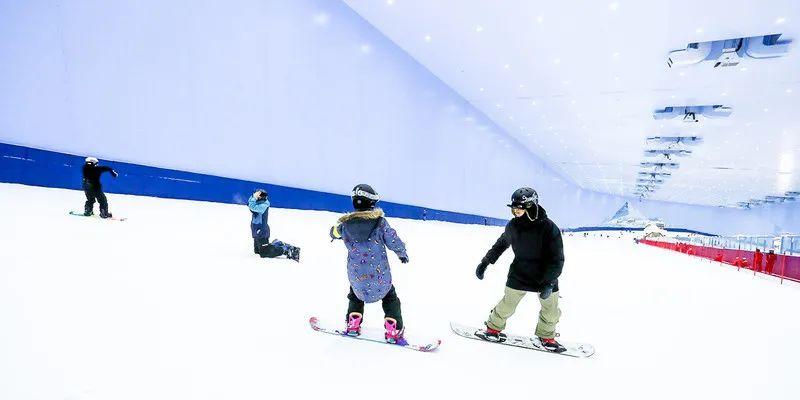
x=784, y=266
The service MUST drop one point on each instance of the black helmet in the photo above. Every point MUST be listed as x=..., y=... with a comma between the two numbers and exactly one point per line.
x=525, y=198
x=364, y=197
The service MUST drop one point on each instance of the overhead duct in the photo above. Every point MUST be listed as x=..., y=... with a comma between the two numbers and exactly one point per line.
x=652, y=181
x=655, y=174
x=673, y=140
x=690, y=113
x=768, y=46
x=729, y=52
x=776, y=199
x=693, y=53
x=659, y=165
x=667, y=153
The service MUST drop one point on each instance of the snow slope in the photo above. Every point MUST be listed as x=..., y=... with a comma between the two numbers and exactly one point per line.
x=172, y=304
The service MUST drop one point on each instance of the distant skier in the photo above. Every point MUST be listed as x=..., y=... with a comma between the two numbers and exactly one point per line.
x=259, y=227
x=367, y=234
x=538, y=261
x=92, y=187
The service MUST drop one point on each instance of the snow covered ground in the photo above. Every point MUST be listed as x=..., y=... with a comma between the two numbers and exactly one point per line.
x=172, y=304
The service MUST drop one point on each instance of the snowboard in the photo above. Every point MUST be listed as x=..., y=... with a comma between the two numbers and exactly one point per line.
x=580, y=350
x=80, y=214
x=365, y=335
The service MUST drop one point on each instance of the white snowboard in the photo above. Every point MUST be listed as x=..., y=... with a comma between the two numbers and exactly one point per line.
x=581, y=350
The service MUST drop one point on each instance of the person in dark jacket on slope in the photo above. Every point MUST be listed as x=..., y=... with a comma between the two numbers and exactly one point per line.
x=92, y=187
x=538, y=261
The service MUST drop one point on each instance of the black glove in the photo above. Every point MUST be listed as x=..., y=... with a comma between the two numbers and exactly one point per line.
x=547, y=290
x=114, y=173
x=404, y=259
x=481, y=269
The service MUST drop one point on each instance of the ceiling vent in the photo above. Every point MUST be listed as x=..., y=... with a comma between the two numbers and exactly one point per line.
x=729, y=52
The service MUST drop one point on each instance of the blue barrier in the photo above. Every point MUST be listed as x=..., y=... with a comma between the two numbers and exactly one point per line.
x=30, y=166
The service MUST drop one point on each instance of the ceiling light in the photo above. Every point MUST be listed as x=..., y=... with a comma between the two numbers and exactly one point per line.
x=699, y=30
x=780, y=20
x=481, y=89
x=540, y=19
x=521, y=86
x=427, y=38
x=498, y=105
x=533, y=103
x=788, y=90
x=557, y=61
x=366, y=49
x=766, y=110
x=506, y=66
x=616, y=54
x=614, y=6
x=321, y=19
x=389, y=2
x=478, y=28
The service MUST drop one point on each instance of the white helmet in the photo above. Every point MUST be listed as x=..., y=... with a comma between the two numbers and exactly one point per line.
x=91, y=160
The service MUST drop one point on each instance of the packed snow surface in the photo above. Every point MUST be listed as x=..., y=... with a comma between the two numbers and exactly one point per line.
x=173, y=304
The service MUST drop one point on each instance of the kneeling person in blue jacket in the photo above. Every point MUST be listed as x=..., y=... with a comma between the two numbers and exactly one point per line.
x=259, y=227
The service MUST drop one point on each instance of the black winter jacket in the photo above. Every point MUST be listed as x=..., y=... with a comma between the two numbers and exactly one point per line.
x=538, y=252
x=91, y=174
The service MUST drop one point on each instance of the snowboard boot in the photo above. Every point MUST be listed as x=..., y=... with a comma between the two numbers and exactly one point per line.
x=256, y=245
x=87, y=211
x=393, y=335
x=492, y=335
x=105, y=214
x=353, y=324
x=294, y=253
x=551, y=345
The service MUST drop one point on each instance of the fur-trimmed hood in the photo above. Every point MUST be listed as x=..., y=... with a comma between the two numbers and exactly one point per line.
x=360, y=224
x=375, y=213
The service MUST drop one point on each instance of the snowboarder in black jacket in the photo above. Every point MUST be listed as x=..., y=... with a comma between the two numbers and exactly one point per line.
x=92, y=187
x=538, y=261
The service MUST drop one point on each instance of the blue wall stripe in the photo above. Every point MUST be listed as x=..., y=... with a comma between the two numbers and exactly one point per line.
x=30, y=166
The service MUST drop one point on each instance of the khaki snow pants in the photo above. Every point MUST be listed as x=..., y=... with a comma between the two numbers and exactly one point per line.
x=548, y=315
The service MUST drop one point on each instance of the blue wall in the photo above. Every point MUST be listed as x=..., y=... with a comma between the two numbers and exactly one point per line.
x=19, y=164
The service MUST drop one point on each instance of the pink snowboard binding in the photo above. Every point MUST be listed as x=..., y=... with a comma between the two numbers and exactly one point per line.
x=394, y=335
x=353, y=324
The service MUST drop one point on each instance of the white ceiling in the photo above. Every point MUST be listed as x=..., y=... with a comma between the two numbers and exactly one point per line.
x=576, y=82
